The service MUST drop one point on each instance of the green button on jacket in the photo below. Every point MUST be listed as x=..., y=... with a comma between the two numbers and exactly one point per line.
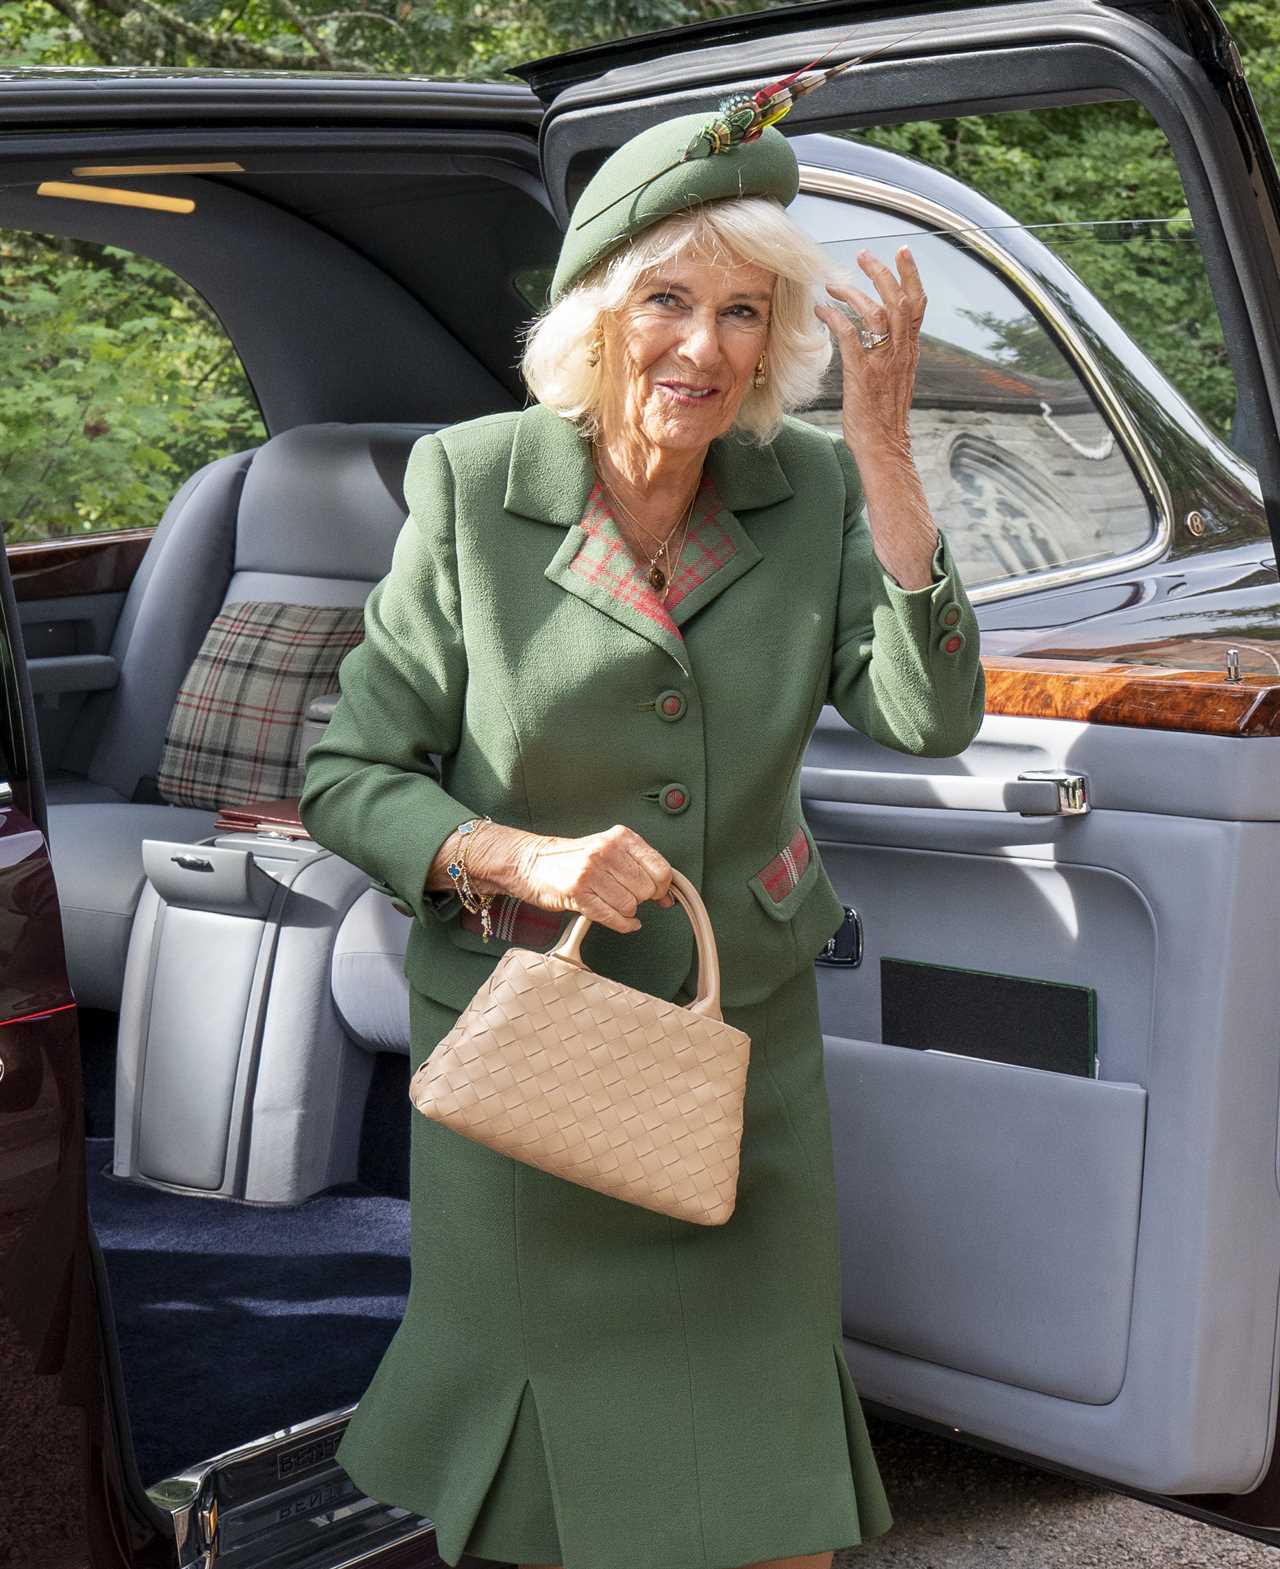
x=578, y=1380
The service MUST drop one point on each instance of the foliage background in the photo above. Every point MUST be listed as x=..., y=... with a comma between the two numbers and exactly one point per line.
x=116, y=381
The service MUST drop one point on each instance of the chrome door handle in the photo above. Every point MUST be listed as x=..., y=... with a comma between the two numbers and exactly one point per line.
x=1072, y=791
x=1036, y=792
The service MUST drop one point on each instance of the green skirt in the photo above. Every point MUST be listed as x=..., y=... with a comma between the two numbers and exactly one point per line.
x=583, y=1382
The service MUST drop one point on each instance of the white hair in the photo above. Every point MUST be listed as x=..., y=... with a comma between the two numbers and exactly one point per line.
x=751, y=230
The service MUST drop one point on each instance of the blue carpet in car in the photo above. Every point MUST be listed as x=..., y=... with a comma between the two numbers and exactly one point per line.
x=233, y=1319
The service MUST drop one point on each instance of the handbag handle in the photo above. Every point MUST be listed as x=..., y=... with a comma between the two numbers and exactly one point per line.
x=707, y=1001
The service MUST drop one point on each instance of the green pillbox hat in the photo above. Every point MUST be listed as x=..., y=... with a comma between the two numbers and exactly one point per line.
x=611, y=210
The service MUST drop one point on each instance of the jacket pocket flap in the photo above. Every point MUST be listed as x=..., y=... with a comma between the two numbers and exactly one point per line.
x=785, y=882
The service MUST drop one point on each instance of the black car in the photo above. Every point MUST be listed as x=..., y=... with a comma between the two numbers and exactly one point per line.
x=1050, y=1013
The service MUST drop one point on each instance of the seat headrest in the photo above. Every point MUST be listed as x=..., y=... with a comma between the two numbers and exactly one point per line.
x=325, y=500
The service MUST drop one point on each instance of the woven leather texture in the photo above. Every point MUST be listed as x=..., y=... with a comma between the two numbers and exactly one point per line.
x=587, y=1079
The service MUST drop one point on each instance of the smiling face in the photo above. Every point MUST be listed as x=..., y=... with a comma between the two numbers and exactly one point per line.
x=682, y=351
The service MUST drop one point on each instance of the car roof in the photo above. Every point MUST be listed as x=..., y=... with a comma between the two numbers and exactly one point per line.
x=75, y=95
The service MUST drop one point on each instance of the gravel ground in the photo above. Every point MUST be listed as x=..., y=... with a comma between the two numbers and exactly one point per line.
x=956, y=1507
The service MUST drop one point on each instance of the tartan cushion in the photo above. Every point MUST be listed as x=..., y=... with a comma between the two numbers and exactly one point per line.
x=233, y=730
x=785, y=870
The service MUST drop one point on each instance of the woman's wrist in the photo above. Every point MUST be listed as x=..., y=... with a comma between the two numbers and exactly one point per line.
x=492, y=859
x=903, y=532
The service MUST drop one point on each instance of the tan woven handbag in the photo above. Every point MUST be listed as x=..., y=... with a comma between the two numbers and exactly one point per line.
x=609, y=1087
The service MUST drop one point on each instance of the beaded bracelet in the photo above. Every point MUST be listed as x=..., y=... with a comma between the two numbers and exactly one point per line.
x=457, y=870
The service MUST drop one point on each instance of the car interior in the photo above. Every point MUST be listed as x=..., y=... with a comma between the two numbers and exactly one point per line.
x=218, y=1201
x=1014, y=1031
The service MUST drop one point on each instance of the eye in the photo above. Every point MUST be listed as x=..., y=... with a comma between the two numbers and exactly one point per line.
x=747, y=310
x=662, y=297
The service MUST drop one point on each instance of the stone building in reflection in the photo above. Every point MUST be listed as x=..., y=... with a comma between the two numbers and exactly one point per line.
x=1019, y=467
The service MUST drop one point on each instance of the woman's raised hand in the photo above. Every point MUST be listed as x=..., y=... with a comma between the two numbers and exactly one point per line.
x=878, y=382
x=603, y=876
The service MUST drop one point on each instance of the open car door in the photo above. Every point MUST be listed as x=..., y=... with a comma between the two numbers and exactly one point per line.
x=51, y=1374
x=1052, y=1041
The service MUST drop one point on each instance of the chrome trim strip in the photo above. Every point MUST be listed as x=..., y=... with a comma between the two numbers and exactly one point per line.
x=192, y=1498
x=897, y=199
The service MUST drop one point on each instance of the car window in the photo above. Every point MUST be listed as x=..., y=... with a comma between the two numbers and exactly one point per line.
x=1098, y=185
x=117, y=381
x=1018, y=462
x=1031, y=458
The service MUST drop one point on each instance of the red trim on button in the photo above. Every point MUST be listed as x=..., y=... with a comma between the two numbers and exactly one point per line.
x=671, y=705
x=953, y=643
x=675, y=798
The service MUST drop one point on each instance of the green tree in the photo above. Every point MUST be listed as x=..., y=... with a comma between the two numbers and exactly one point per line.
x=454, y=38
x=116, y=382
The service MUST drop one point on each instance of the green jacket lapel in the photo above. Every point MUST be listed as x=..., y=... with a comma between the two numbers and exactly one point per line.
x=551, y=477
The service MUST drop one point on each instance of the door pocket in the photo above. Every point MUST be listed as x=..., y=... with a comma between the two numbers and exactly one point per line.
x=786, y=880
x=988, y=1214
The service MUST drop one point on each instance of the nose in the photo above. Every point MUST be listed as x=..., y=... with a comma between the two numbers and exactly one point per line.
x=700, y=343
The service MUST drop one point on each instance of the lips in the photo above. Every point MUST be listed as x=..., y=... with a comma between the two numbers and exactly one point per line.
x=685, y=391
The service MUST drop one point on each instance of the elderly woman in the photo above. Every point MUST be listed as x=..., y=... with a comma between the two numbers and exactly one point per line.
x=614, y=617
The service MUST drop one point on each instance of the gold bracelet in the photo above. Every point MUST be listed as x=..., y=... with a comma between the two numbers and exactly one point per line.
x=457, y=870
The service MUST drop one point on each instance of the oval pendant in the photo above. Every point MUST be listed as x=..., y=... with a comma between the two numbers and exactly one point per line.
x=656, y=578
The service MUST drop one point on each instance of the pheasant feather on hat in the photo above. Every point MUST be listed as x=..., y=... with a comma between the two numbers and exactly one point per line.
x=682, y=162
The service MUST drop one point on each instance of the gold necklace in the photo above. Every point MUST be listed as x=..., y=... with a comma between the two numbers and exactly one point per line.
x=683, y=537
x=657, y=579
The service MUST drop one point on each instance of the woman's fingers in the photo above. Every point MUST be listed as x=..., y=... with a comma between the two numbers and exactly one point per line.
x=654, y=872
x=634, y=861
x=872, y=311
x=598, y=909
x=890, y=290
x=615, y=884
x=624, y=871
x=604, y=876
x=912, y=288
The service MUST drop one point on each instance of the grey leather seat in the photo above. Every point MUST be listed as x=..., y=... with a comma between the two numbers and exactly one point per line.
x=309, y=518
x=370, y=991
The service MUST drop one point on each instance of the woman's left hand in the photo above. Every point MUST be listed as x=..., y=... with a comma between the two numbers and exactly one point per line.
x=879, y=382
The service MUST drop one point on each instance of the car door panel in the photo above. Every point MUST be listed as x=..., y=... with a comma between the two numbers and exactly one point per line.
x=48, y=1346
x=1027, y=1253
x=1080, y=1268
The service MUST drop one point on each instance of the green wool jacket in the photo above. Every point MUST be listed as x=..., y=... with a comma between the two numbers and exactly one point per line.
x=515, y=640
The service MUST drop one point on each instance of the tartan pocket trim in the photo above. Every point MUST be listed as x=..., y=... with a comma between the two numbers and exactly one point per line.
x=786, y=880
x=518, y=922
x=786, y=869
